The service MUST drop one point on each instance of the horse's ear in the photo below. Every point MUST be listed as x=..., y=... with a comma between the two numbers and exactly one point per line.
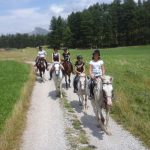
x=111, y=79
x=88, y=77
x=103, y=78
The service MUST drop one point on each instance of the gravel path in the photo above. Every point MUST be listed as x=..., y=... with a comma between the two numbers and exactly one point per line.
x=120, y=139
x=45, y=122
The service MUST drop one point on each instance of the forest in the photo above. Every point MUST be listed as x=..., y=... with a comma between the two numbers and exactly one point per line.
x=121, y=23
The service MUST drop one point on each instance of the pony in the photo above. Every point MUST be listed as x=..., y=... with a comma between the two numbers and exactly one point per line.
x=68, y=69
x=83, y=90
x=41, y=67
x=103, y=94
x=57, y=76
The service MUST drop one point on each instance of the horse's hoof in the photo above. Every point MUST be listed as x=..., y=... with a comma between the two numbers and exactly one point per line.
x=80, y=104
x=108, y=133
x=84, y=111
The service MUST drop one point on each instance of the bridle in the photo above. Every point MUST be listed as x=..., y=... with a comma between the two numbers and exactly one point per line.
x=85, y=81
x=57, y=70
x=104, y=93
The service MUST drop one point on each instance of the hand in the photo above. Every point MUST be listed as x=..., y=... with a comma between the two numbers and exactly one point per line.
x=92, y=76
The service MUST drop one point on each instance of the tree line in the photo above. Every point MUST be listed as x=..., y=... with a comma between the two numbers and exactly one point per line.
x=22, y=40
x=121, y=23
x=103, y=25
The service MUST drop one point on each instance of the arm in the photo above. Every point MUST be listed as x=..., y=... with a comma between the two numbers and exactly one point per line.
x=52, y=58
x=59, y=58
x=90, y=71
x=77, y=71
x=103, y=70
x=84, y=68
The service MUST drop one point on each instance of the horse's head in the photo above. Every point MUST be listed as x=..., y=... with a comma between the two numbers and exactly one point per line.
x=57, y=68
x=107, y=89
x=82, y=81
x=41, y=62
x=98, y=83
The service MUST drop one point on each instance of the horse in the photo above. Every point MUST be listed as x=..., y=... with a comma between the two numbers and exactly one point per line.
x=68, y=69
x=103, y=93
x=57, y=76
x=83, y=90
x=41, y=67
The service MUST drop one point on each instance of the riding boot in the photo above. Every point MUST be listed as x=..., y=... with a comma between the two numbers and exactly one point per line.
x=72, y=68
x=51, y=71
x=75, y=84
x=46, y=64
x=91, y=89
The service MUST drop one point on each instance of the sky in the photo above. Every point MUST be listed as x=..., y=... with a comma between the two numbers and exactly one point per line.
x=22, y=16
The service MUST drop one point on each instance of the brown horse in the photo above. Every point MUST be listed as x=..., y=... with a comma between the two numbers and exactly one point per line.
x=41, y=66
x=68, y=69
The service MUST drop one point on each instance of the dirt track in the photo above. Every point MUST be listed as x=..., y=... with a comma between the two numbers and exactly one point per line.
x=45, y=124
x=120, y=139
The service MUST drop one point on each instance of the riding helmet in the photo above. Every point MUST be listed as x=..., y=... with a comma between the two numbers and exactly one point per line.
x=96, y=51
x=65, y=48
x=79, y=57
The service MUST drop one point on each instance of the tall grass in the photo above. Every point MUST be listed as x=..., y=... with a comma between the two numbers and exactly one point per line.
x=16, y=82
x=12, y=78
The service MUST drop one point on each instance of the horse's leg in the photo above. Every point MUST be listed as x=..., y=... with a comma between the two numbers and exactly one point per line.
x=82, y=100
x=60, y=85
x=85, y=102
x=95, y=109
x=107, y=116
x=80, y=104
x=66, y=81
x=101, y=123
x=40, y=73
x=102, y=118
x=69, y=80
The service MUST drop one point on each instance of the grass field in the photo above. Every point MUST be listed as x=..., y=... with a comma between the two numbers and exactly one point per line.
x=130, y=67
x=13, y=75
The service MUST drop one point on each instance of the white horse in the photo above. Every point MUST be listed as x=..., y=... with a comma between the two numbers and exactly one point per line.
x=57, y=76
x=103, y=93
x=83, y=90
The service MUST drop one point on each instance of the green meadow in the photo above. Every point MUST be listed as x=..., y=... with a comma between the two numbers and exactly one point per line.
x=129, y=66
x=13, y=76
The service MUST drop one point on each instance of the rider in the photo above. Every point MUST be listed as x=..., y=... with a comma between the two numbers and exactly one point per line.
x=55, y=58
x=96, y=69
x=66, y=56
x=41, y=55
x=79, y=68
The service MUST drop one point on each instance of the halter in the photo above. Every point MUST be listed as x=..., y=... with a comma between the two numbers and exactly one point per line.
x=59, y=68
x=104, y=93
x=83, y=75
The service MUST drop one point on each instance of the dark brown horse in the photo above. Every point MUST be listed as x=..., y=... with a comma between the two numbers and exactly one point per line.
x=68, y=69
x=41, y=67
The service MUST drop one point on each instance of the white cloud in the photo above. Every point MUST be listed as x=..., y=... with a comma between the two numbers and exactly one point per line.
x=24, y=20
x=56, y=9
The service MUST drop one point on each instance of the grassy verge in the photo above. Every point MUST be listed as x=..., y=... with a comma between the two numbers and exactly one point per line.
x=75, y=134
x=19, y=80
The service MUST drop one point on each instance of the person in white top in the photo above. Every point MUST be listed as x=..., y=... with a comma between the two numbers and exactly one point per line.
x=96, y=69
x=41, y=55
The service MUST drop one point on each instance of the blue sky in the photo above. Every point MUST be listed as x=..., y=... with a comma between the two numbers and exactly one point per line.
x=24, y=15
